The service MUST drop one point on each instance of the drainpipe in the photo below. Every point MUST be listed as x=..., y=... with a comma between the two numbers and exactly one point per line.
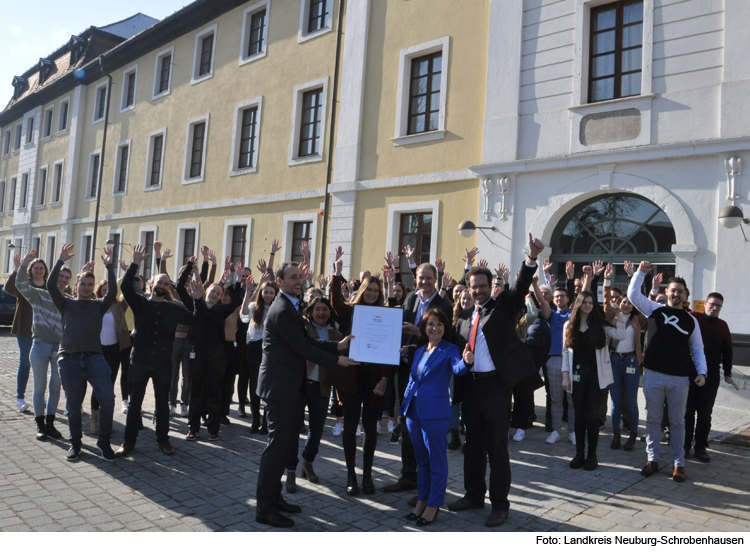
x=101, y=158
x=329, y=172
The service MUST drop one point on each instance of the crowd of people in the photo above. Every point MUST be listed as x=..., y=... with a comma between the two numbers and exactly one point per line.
x=475, y=348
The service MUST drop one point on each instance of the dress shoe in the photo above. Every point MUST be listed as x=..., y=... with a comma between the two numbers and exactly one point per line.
x=415, y=516
x=650, y=468
x=463, y=504
x=413, y=500
x=630, y=444
x=125, y=449
x=615, y=441
x=41, y=428
x=352, y=488
x=422, y=522
x=255, y=428
x=591, y=463
x=678, y=475
x=307, y=472
x=285, y=507
x=274, y=519
x=702, y=455
x=401, y=485
x=50, y=425
x=367, y=485
x=166, y=448
x=496, y=518
x=578, y=461
x=455, y=442
x=291, y=482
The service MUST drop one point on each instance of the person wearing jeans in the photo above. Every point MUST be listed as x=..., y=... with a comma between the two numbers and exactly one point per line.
x=21, y=329
x=81, y=359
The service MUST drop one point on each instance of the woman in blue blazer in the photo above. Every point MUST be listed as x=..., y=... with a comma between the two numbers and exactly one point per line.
x=427, y=409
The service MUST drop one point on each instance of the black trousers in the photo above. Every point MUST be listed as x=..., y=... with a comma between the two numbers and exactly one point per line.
x=587, y=397
x=230, y=372
x=138, y=378
x=485, y=411
x=408, y=458
x=700, y=401
x=206, y=373
x=243, y=372
x=254, y=357
x=282, y=418
x=356, y=407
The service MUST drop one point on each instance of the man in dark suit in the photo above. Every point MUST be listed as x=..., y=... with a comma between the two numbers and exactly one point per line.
x=281, y=382
x=500, y=361
x=415, y=305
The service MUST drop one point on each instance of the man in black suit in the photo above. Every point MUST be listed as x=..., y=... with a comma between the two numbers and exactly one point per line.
x=415, y=305
x=500, y=361
x=281, y=383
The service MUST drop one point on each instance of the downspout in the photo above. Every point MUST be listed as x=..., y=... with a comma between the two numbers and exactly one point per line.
x=101, y=157
x=329, y=172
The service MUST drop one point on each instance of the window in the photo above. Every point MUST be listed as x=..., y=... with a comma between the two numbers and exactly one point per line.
x=309, y=138
x=12, y=203
x=254, y=32
x=47, y=129
x=45, y=69
x=29, y=130
x=415, y=224
x=56, y=182
x=6, y=143
x=41, y=190
x=2, y=196
x=315, y=19
x=52, y=248
x=100, y=103
x=87, y=253
x=317, y=16
x=195, y=150
x=147, y=240
x=616, y=51
x=36, y=244
x=93, y=176
x=24, y=199
x=116, y=248
x=62, y=123
x=129, y=80
x=298, y=228
x=239, y=241
x=8, y=256
x=203, y=58
x=120, y=185
x=422, y=90
x=416, y=231
x=17, y=139
x=245, y=139
x=163, y=73
x=300, y=233
x=188, y=245
x=155, y=159
x=309, y=117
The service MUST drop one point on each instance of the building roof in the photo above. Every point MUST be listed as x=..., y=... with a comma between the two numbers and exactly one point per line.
x=131, y=26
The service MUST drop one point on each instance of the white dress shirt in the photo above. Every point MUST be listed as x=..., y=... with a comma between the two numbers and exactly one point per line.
x=482, y=360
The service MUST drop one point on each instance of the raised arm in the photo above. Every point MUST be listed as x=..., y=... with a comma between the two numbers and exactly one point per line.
x=635, y=294
x=543, y=303
x=57, y=297
x=109, y=265
x=22, y=278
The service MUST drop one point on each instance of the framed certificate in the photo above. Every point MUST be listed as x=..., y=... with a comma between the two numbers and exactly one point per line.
x=377, y=335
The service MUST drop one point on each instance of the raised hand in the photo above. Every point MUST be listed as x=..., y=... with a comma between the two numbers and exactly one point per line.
x=570, y=270
x=88, y=267
x=598, y=267
x=409, y=254
x=250, y=284
x=238, y=267
x=304, y=247
x=339, y=253
x=546, y=265
x=608, y=271
x=107, y=256
x=503, y=272
x=322, y=281
x=30, y=256
x=656, y=281
x=17, y=261
x=470, y=255
x=66, y=253
x=587, y=269
x=275, y=246
x=535, y=245
x=123, y=265
x=338, y=267
x=446, y=280
x=139, y=254
x=645, y=267
x=204, y=252
x=629, y=268
x=262, y=268
x=483, y=263
x=390, y=275
x=265, y=277
x=390, y=259
x=166, y=254
x=440, y=265
x=552, y=280
x=212, y=256
x=227, y=263
x=194, y=289
x=157, y=249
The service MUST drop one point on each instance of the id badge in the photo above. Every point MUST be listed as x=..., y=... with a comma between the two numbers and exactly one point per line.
x=192, y=355
x=630, y=370
x=235, y=345
x=577, y=377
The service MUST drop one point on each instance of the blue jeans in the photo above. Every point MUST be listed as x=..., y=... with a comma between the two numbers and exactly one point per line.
x=44, y=354
x=625, y=387
x=431, y=449
x=24, y=365
x=75, y=370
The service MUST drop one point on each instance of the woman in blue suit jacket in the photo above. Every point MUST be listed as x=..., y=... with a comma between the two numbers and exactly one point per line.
x=427, y=408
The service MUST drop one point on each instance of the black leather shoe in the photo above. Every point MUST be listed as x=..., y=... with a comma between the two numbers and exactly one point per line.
x=591, y=463
x=274, y=520
x=578, y=461
x=400, y=485
x=367, y=485
x=496, y=518
x=702, y=455
x=351, y=485
x=463, y=504
x=422, y=522
x=284, y=506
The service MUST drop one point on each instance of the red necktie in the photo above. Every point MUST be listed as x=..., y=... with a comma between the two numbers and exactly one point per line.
x=474, y=329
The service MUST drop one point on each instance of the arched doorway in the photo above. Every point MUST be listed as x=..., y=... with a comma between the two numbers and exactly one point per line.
x=614, y=228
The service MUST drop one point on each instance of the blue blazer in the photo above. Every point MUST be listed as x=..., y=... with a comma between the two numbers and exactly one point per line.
x=434, y=400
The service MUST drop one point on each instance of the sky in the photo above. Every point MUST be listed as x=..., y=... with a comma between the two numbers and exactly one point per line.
x=32, y=29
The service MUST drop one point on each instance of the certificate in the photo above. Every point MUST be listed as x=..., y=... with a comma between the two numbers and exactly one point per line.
x=377, y=334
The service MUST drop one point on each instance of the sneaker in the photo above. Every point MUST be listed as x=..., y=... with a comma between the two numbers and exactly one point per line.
x=554, y=437
x=192, y=436
x=73, y=453
x=394, y=438
x=125, y=406
x=213, y=437
x=337, y=429
x=22, y=406
x=390, y=426
x=520, y=434
x=183, y=410
x=572, y=438
x=107, y=453
x=359, y=430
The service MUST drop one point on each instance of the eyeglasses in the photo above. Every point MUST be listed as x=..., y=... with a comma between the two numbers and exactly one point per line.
x=709, y=304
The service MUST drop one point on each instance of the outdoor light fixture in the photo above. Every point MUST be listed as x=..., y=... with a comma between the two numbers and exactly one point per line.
x=467, y=228
x=731, y=216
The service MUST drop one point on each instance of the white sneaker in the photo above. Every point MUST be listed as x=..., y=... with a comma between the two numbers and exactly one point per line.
x=359, y=430
x=125, y=406
x=337, y=429
x=390, y=426
x=554, y=437
x=520, y=434
x=22, y=406
x=184, y=410
x=572, y=438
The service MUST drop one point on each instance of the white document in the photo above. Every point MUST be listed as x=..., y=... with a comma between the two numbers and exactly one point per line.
x=377, y=335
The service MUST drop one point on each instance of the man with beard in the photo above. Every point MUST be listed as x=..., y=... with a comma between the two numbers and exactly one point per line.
x=156, y=319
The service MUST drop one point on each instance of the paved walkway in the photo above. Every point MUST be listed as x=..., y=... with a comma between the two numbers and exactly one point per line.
x=210, y=486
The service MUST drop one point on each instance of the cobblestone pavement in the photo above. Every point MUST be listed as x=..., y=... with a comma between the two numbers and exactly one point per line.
x=210, y=486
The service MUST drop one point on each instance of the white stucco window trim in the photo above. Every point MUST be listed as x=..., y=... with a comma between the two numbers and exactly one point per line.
x=61, y=163
x=155, y=94
x=194, y=78
x=247, y=17
x=47, y=110
x=234, y=160
x=288, y=234
x=401, y=138
x=299, y=92
x=124, y=93
x=181, y=227
x=89, y=173
x=147, y=186
x=304, y=16
x=37, y=202
x=63, y=130
x=97, y=89
x=50, y=255
x=118, y=163
x=186, y=178
x=394, y=223
x=227, y=244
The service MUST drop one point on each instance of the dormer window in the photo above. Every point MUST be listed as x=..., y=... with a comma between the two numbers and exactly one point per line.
x=45, y=69
x=77, y=44
x=19, y=85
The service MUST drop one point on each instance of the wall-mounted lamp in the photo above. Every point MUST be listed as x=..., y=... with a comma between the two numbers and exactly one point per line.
x=731, y=216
